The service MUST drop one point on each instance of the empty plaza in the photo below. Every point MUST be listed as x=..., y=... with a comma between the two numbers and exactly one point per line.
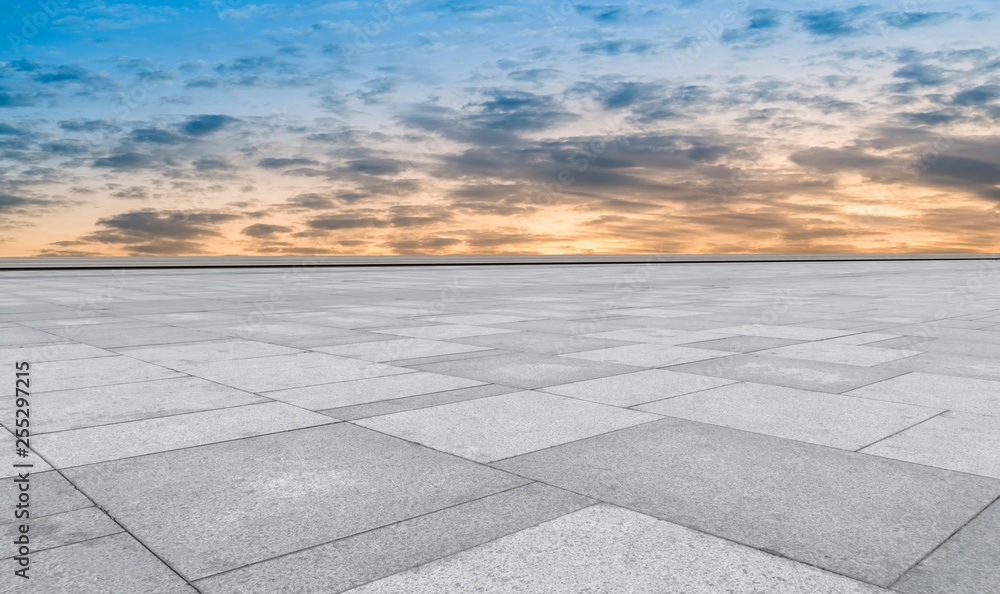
x=780, y=427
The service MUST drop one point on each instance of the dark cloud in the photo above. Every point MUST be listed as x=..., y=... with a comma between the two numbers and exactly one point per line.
x=617, y=47
x=159, y=232
x=346, y=221
x=264, y=231
x=126, y=161
x=977, y=95
x=156, y=136
x=133, y=193
x=834, y=160
x=375, y=166
x=206, y=124
x=279, y=163
x=832, y=23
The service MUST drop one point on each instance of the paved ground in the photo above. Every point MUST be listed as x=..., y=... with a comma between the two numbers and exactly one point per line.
x=798, y=427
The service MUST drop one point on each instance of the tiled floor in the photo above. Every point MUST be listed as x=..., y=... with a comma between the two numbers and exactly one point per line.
x=743, y=427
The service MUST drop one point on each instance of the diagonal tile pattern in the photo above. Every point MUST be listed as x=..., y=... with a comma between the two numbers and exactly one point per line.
x=747, y=427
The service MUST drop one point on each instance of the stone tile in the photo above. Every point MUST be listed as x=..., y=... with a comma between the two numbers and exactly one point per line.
x=862, y=338
x=790, y=332
x=527, y=370
x=653, y=312
x=637, y=388
x=659, y=335
x=965, y=564
x=813, y=417
x=356, y=560
x=255, y=499
x=121, y=335
x=387, y=407
x=48, y=376
x=9, y=457
x=608, y=549
x=570, y=327
x=647, y=355
x=843, y=354
x=952, y=364
x=289, y=371
x=981, y=397
x=148, y=436
x=60, y=530
x=51, y=352
x=489, y=429
x=477, y=319
x=51, y=494
x=17, y=336
x=115, y=564
x=368, y=390
x=953, y=440
x=100, y=405
x=791, y=373
x=862, y=516
x=179, y=356
x=741, y=344
x=403, y=348
x=443, y=331
x=540, y=342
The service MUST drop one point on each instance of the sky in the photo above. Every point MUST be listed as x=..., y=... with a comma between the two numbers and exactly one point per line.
x=224, y=127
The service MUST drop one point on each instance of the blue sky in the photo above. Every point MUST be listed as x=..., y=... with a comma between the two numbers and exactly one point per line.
x=229, y=127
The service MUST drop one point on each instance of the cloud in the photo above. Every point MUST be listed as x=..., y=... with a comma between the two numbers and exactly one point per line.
x=264, y=231
x=977, y=95
x=834, y=160
x=617, y=47
x=280, y=163
x=159, y=232
x=156, y=136
x=206, y=124
x=126, y=161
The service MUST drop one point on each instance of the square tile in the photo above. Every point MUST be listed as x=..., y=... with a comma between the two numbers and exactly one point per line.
x=813, y=417
x=608, y=549
x=659, y=335
x=528, y=371
x=254, y=499
x=403, y=348
x=101, y=405
x=48, y=376
x=289, y=371
x=59, y=530
x=148, y=436
x=791, y=332
x=362, y=558
x=116, y=564
x=368, y=390
x=540, y=342
x=388, y=407
x=489, y=429
x=981, y=397
x=953, y=440
x=843, y=354
x=443, y=331
x=741, y=344
x=965, y=564
x=179, y=356
x=858, y=515
x=647, y=355
x=630, y=389
x=791, y=373
x=478, y=319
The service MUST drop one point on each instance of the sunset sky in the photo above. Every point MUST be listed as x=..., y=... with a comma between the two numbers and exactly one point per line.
x=228, y=127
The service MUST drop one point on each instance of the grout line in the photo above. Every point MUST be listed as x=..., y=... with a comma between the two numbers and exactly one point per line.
x=942, y=543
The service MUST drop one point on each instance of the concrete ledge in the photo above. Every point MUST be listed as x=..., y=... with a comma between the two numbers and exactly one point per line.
x=311, y=261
